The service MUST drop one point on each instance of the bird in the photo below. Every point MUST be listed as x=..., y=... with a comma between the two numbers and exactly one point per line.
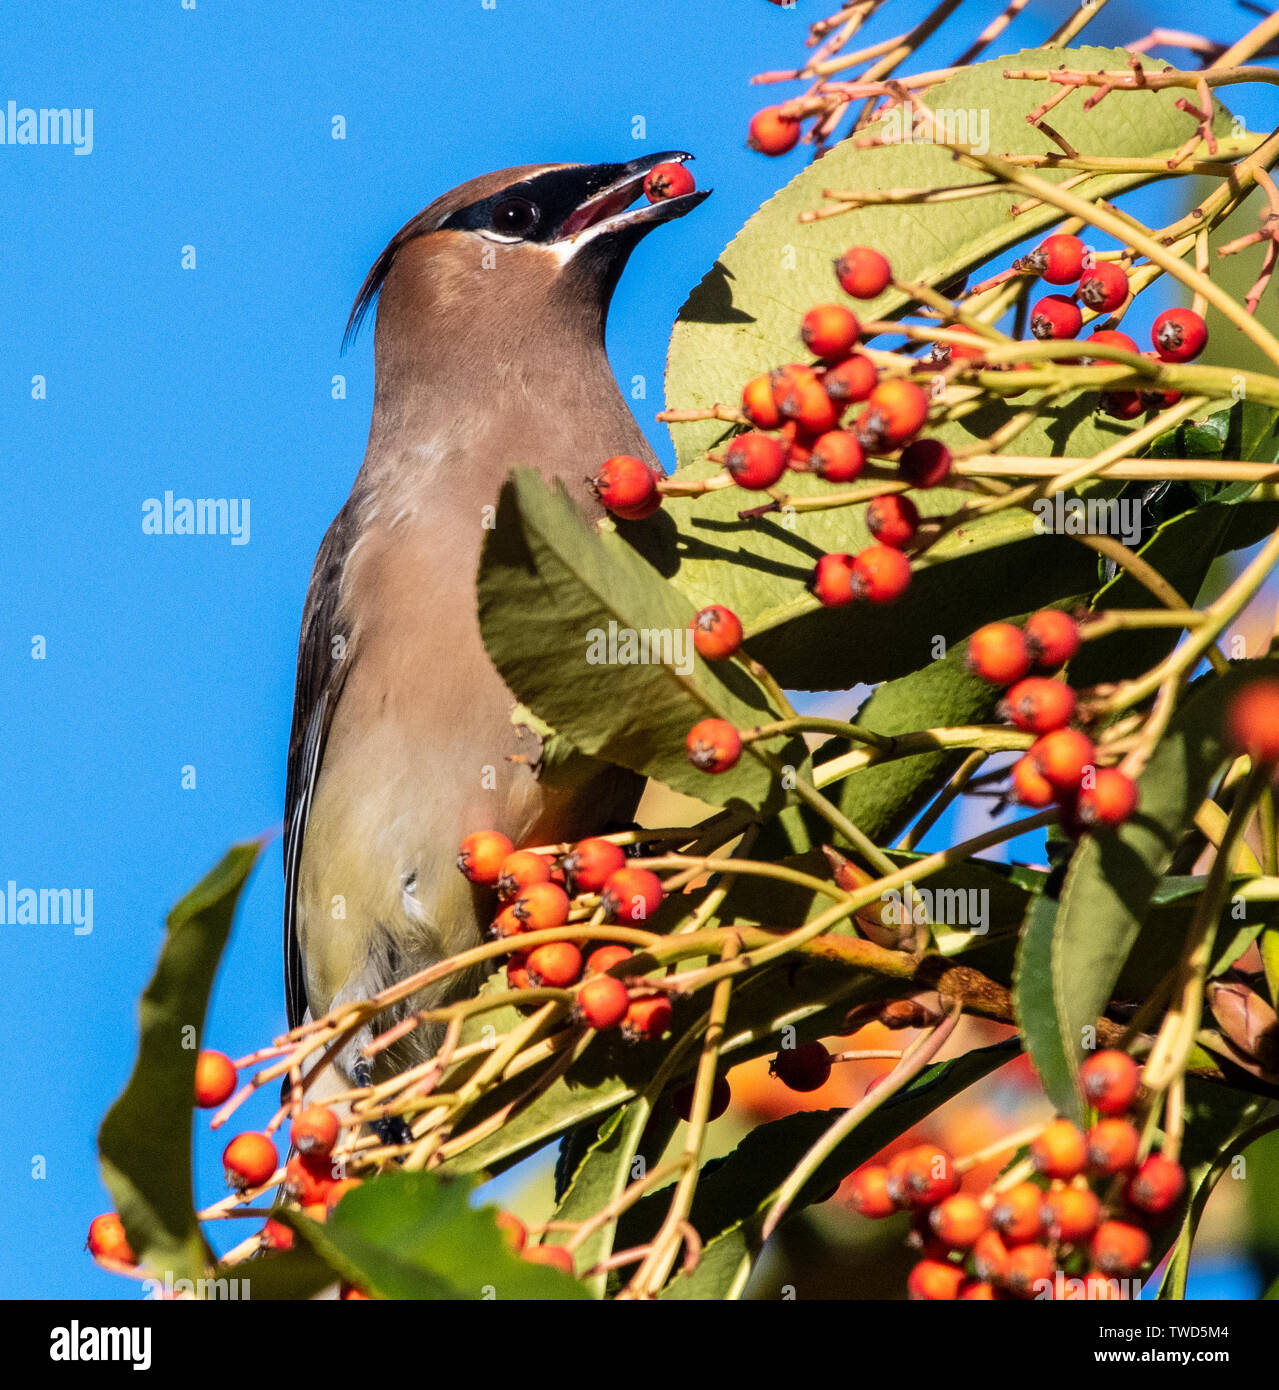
x=489, y=353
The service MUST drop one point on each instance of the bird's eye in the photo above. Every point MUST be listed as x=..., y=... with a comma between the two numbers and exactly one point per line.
x=514, y=216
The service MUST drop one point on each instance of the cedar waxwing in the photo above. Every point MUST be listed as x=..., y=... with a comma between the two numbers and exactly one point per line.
x=489, y=353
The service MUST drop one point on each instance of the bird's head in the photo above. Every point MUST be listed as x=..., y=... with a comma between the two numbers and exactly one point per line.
x=533, y=245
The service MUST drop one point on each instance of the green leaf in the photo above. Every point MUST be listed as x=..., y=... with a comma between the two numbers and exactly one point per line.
x=145, y=1140
x=734, y=1193
x=743, y=319
x=549, y=588
x=1113, y=877
x=415, y=1236
x=1036, y=1010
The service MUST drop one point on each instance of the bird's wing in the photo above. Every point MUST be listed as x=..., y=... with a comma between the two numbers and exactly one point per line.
x=321, y=671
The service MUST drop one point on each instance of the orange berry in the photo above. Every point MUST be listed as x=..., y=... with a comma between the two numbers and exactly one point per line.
x=517, y=970
x=1029, y=785
x=1252, y=720
x=1061, y=757
x=1018, y=1213
x=481, y=854
x=1052, y=636
x=1059, y=1150
x=1110, y=1080
x=1119, y=1248
x=308, y=1178
x=1110, y=800
x=755, y=460
x=348, y=1293
x=997, y=653
x=868, y=1191
x=669, y=180
x=107, y=1240
x=958, y=1220
x=832, y=581
x=893, y=519
x=1113, y=1146
x=215, y=1078
x=978, y=1292
x=851, y=380
x=540, y=907
x=1030, y=1270
x=895, y=411
x=714, y=745
x=922, y=1176
x=803, y=399
x=275, y=1235
x=1156, y=1185
x=759, y=404
x=315, y=1130
x=513, y=1230
x=990, y=1256
x=829, y=331
x=863, y=272
x=339, y=1189
x=632, y=895
x=557, y=965
x=625, y=483
x=772, y=133
x=717, y=632
x=837, y=457
x=604, y=958
x=880, y=573
x=521, y=870
x=554, y=1255
x=602, y=1002
x=591, y=861
x=934, y=1280
x=646, y=1018
x=1070, y=1214
x=1039, y=704
x=249, y=1160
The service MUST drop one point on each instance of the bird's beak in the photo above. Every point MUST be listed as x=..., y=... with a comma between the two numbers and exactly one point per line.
x=608, y=211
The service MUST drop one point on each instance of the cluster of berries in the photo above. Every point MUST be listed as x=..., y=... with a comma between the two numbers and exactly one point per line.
x=1074, y=1230
x=1060, y=765
x=538, y=893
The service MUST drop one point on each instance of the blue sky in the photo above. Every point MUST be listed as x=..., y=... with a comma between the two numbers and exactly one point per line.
x=212, y=129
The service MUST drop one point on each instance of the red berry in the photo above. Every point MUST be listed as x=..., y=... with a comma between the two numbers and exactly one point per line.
x=863, y=272
x=1052, y=636
x=1018, y=1213
x=880, y=573
x=832, y=581
x=215, y=1078
x=1156, y=1185
x=1059, y=1150
x=714, y=745
x=1179, y=335
x=1056, y=316
x=802, y=397
x=759, y=404
x=480, y=856
x=990, y=1256
x=315, y=1130
x=517, y=969
x=1039, y=704
x=922, y=1176
x=1061, y=758
x=798, y=444
x=772, y=133
x=667, y=181
x=591, y=861
x=249, y=1160
x=107, y=1240
x=851, y=380
x=958, y=1220
x=868, y=1191
x=1252, y=720
x=1111, y=337
x=624, y=483
x=1110, y=1080
x=1104, y=287
x=837, y=457
x=943, y=353
x=978, y=1292
x=1121, y=405
x=1030, y=1270
x=557, y=964
x=275, y=1235
x=1113, y=1145
x=513, y=1231
x=998, y=653
x=893, y=519
x=935, y=1280
x=539, y=907
x=803, y=1068
x=717, y=632
x=603, y=958
x=602, y=1001
x=755, y=460
x=721, y=1098
x=895, y=411
x=1029, y=785
x=646, y=1018
x=308, y=1178
x=521, y=870
x=1119, y=1248
x=632, y=895
x=1059, y=259
x=925, y=463
x=554, y=1255
x=1110, y=800
x=829, y=331
x=1070, y=1214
